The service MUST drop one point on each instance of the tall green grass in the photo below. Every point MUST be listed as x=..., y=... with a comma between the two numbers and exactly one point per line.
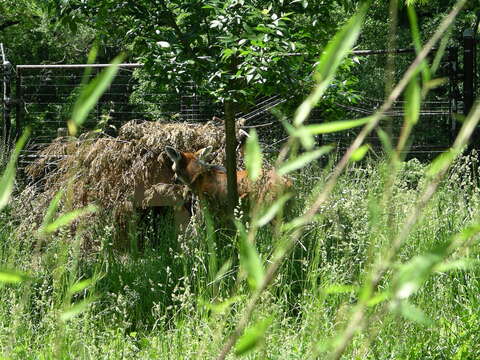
x=374, y=258
x=164, y=304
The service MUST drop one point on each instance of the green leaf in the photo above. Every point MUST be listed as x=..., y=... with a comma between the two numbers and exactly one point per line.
x=76, y=309
x=435, y=83
x=441, y=51
x=221, y=307
x=226, y=54
x=414, y=313
x=441, y=162
x=250, y=260
x=340, y=289
x=334, y=53
x=273, y=210
x=12, y=276
x=386, y=142
x=418, y=42
x=215, y=23
x=295, y=224
x=459, y=264
x=8, y=177
x=253, y=156
x=335, y=126
x=91, y=93
x=80, y=286
x=163, y=44
x=252, y=337
x=360, y=153
x=307, y=139
x=302, y=160
x=413, y=274
x=468, y=232
x=379, y=298
x=92, y=55
x=413, y=102
x=68, y=218
x=52, y=209
x=305, y=108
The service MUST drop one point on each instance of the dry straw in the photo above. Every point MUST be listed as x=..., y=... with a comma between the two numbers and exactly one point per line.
x=106, y=171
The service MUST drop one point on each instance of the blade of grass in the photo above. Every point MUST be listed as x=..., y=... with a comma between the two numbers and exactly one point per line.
x=68, y=218
x=417, y=42
x=90, y=95
x=358, y=315
x=330, y=60
x=8, y=177
x=253, y=156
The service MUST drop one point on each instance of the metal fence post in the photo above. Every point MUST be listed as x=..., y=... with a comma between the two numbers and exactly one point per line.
x=468, y=70
x=453, y=89
x=19, y=103
x=6, y=99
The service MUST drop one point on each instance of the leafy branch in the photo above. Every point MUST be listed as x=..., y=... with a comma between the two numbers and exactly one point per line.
x=282, y=251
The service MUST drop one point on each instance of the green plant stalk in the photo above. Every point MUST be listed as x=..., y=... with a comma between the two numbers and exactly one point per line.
x=283, y=251
x=395, y=94
x=393, y=12
x=385, y=261
x=460, y=142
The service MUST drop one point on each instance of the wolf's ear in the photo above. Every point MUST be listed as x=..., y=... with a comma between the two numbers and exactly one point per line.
x=203, y=153
x=173, y=154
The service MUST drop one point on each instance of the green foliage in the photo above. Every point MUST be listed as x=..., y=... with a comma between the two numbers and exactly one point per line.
x=231, y=50
x=368, y=242
x=252, y=337
x=329, y=62
x=253, y=156
x=360, y=153
x=11, y=277
x=272, y=211
x=413, y=103
x=91, y=93
x=303, y=160
x=251, y=262
x=8, y=176
x=128, y=317
x=66, y=219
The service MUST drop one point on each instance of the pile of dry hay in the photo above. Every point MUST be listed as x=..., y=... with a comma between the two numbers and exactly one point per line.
x=105, y=170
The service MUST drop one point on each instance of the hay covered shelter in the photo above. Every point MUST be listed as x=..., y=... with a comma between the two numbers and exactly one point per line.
x=119, y=174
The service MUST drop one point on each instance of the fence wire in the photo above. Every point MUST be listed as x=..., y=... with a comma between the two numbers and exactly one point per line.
x=48, y=94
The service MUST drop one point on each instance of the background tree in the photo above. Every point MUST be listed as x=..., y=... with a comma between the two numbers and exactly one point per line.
x=233, y=51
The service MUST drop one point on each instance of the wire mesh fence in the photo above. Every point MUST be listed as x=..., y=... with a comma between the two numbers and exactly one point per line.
x=436, y=126
x=432, y=134
x=48, y=94
x=45, y=95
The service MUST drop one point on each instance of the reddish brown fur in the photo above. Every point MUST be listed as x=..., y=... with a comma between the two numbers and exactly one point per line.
x=210, y=182
x=147, y=196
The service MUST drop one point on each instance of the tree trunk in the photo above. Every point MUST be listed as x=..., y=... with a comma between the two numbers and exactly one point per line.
x=231, y=157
